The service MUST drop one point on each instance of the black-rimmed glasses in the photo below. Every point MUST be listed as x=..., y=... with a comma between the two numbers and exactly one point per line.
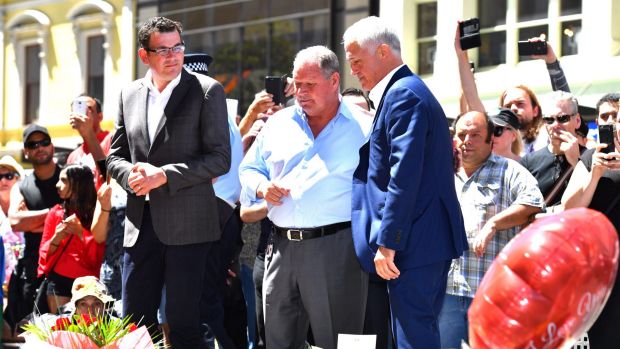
x=562, y=119
x=164, y=51
x=35, y=144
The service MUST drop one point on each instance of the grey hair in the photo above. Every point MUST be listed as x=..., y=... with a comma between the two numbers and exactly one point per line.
x=370, y=32
x=562, y=96
x=325, y=58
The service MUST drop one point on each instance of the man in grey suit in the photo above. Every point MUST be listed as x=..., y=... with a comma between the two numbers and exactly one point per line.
x=171, y=140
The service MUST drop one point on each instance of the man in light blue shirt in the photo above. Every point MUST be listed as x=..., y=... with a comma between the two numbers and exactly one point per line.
x=302, y=164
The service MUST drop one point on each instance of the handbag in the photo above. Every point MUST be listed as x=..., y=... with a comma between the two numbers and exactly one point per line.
x=40, y=301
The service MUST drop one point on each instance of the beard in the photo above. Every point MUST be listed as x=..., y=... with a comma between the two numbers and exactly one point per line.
x=42, y=160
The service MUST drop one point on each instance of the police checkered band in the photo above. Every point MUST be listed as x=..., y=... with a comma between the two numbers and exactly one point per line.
x=196, y=66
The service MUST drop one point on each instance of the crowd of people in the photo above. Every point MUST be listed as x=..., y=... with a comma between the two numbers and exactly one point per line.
x=355, y=212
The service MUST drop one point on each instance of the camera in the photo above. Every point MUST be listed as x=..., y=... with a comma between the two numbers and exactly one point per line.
x=529, y=48
x=275, y=86
x=606, y=135
x=469, y=33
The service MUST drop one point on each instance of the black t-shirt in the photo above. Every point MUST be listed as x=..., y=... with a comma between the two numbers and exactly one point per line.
x=547, y=168
x=38, y=195
x=606, y=193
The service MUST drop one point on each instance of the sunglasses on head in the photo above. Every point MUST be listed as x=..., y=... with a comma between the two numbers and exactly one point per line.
x=35, y=144
x=9, y=176
x=562, y=119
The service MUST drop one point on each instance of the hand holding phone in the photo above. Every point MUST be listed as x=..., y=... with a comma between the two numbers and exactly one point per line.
x=469, y=31
x=606, y=135
x=532, y=48
x=275, y=85
x=79, y=107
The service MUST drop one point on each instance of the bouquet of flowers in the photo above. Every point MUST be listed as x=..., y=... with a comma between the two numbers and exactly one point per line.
x=87, y=332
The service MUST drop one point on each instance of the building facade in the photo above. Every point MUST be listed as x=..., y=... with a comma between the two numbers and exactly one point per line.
x=54, y=50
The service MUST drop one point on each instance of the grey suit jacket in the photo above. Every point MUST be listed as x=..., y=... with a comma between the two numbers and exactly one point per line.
x=191, y=145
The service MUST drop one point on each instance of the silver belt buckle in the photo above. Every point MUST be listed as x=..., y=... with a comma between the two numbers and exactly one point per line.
x=290, y=234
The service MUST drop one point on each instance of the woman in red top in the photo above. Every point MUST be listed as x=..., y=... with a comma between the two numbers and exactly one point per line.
x=69, y=247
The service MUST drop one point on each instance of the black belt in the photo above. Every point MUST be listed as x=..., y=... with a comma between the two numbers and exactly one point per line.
x=299, y=234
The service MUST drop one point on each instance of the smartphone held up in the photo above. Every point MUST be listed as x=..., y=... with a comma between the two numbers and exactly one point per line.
x=79, y=107
x=275, y=86
x=606, y=135
x=469, y=31
x=532, y=48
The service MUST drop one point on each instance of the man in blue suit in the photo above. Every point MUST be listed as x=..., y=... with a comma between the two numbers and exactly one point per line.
x=406, y=220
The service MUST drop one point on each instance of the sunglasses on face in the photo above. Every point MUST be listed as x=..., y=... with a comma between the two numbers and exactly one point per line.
x=9, y=176
x=498, y=131
x=562, y=119
x=35, y=144
x=605, y=116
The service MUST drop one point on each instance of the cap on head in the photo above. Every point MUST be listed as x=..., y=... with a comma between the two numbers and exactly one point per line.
x=504, y=117
x=32, y=128
x=89, y=286
x=197, y=62
x=10, y=163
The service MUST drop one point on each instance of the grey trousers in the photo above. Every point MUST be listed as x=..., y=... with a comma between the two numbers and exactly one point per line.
x=318, y=282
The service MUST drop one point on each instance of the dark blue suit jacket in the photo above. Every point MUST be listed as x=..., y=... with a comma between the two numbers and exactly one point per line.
x=403, y=188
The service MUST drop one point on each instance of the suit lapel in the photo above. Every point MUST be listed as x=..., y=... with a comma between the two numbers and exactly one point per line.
x=400, y=73
x=175, y=98
x=143, y=94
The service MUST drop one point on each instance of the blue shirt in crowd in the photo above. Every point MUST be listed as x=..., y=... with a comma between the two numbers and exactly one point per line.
x=228, y=187
x=317, y=171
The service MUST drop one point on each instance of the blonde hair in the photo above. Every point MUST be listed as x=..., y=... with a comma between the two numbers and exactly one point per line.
x=517, y=144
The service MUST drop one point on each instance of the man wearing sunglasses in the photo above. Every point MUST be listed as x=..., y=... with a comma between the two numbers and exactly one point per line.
x=30, y=203
x=171, y=140
x=552, y=165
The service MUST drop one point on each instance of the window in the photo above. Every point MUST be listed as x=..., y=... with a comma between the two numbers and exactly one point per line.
x=28, y=32
x=570, y=12
x=32, y=86
x=95, y=64
x=529, y=10
x=93, y=25
x=559, y=22
x=248, y=40
x=426, y=41
x=492, y=15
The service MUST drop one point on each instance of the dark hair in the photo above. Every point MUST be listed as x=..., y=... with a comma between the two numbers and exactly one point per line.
x=352, y=91
x=83, y=196
x=611, y=98
x=159, y=25
x=97, y=101
x=583, y=129
x=490, y=125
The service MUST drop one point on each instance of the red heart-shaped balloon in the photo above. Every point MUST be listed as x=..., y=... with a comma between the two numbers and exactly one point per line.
x=548, y=285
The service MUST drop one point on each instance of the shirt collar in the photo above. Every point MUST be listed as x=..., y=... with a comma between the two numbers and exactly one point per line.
x=342, y=110
x=148, y=79
x=491, y=160
x=376, y=92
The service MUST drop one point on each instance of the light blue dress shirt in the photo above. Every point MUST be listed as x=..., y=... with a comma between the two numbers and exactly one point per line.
x=228, y=187
x=318, y=172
